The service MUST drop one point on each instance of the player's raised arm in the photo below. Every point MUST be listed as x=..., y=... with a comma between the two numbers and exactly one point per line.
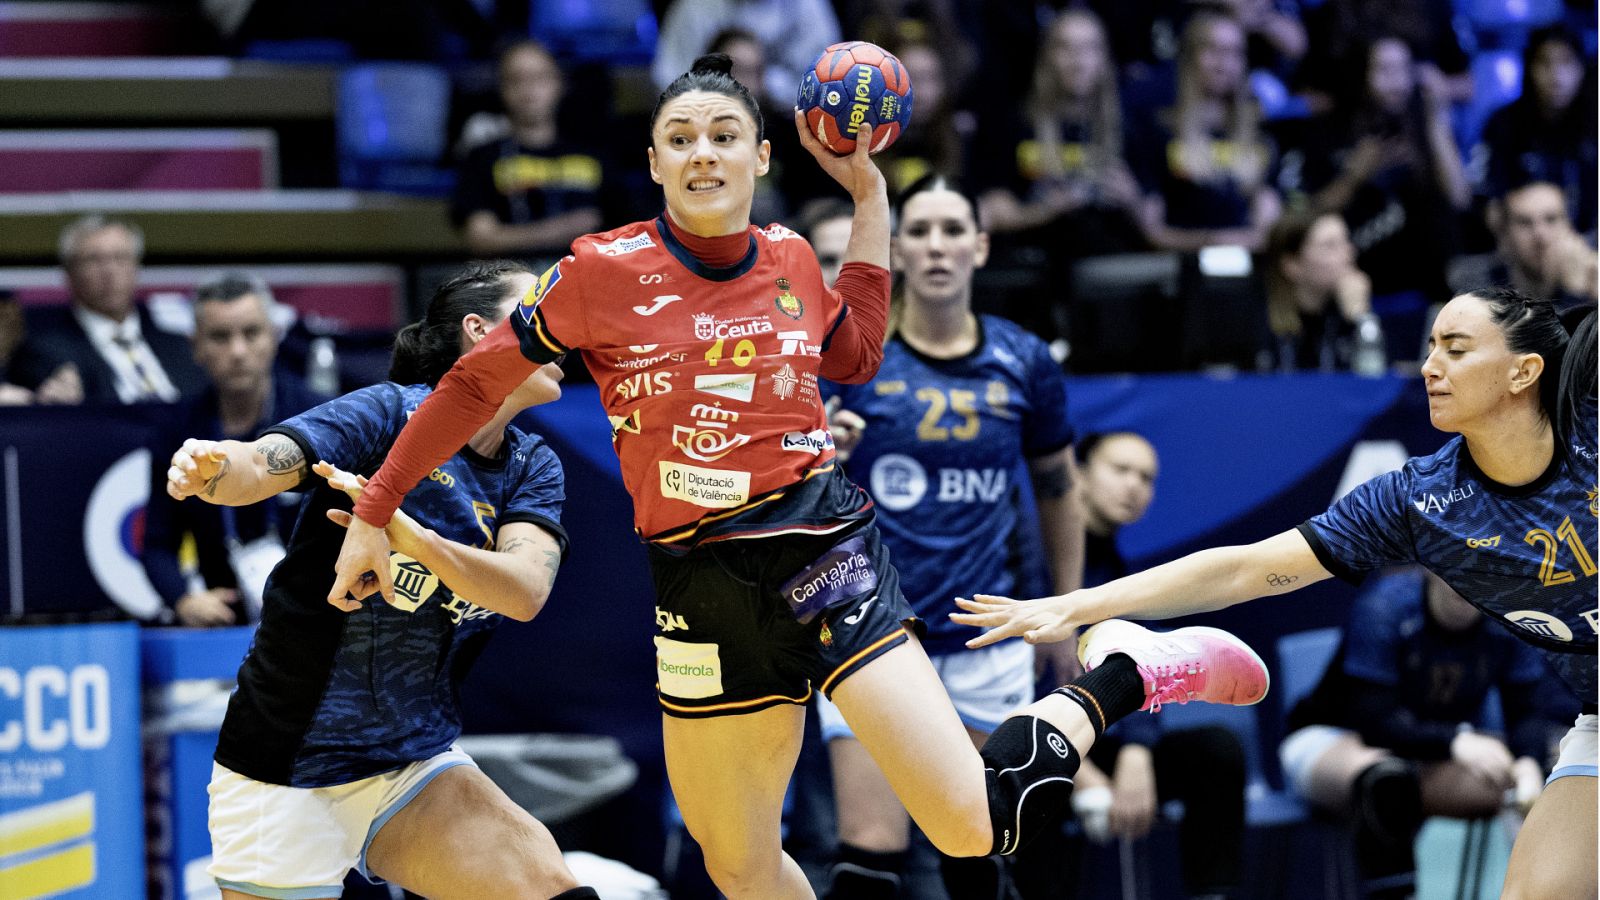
x=235, y=473
x=1200, y=582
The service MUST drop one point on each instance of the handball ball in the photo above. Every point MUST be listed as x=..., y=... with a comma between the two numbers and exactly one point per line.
x=856, y=85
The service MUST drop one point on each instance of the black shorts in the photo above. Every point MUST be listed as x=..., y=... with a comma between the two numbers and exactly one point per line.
x=728, y=640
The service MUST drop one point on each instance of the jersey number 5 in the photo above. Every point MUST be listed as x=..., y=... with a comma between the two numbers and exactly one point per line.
x=1549, y=575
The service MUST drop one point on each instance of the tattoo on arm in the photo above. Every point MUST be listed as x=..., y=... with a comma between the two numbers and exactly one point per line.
x=284, y=456
x=1276, y=580
x=222, y=472
x=552, y=561
x=1053, y=482
x=515, y=544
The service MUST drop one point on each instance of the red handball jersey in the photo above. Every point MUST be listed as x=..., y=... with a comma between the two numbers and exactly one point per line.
x=708, y=375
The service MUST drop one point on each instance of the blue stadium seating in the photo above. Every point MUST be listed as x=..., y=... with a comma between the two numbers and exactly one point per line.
x=1496, y=81
x=391, y=127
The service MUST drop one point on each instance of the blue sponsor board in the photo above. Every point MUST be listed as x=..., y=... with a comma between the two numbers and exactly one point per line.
x=70, y=819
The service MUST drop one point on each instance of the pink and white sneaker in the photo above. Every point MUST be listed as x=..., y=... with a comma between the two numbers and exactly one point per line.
x=1194, y=663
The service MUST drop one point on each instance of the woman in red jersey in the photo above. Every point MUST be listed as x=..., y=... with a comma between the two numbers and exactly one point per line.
x=706, y=337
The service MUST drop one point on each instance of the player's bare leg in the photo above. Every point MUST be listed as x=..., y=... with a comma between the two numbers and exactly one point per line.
x=462, y=837
x=899, y=712
x=1554, y=857
x=729, y=775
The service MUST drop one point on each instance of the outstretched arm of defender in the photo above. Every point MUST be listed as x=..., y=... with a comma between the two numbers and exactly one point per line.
x=235, y=473
x=513, y=579
x=1200, y=582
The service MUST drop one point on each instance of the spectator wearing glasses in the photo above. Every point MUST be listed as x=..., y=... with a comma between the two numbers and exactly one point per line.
x=118, y=352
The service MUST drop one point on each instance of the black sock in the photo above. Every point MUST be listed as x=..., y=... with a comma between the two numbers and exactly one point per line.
x=977, y=877
x=866, y=874
x=577, y=893
x=1113, y=690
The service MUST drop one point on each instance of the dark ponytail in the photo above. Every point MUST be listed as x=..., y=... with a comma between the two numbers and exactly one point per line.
x=425, y=350
x=1531, y=326
x=711, y=73
x=1575, y=404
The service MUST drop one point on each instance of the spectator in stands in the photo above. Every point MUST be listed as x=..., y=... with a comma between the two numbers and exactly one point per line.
x=792, y=32
x=940, y=132
x=1393, y=733
x=1390, y=166
x=784, y=180
x=1054, y=176
x=828, y=231
x=1330, y=74
x=236, y=343
x=1539, y=252
x=1118, y=788
x=118, y=352
x=62, y=386
x=1547, y=134
x=532, y=191
x=1315, y=293
x=1204, y=163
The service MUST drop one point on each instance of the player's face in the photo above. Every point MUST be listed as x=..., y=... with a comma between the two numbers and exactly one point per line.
x=705, y=156
x=235, y=343
x=1119, y=480
x=1469, y=369
x=938, y=247
x=830, y=239
x=544, y=385
x=104, y=271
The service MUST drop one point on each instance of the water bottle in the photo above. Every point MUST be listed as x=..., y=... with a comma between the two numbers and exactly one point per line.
x=1370, y=356
x=322, y=367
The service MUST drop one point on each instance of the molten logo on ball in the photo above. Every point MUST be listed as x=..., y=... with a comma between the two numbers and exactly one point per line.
x=855, y=90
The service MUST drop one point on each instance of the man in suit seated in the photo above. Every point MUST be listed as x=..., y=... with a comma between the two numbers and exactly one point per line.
x=236, y=342
x=119, y=354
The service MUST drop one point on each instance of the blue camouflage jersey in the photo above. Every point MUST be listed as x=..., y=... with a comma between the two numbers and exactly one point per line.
x=940, y=457
x=1525, y=555
x=327, y=697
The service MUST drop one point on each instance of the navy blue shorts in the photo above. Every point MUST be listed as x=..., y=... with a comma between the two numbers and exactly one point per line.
x=745, y=624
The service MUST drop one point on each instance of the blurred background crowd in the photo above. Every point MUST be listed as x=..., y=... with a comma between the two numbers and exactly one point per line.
x=231, y=205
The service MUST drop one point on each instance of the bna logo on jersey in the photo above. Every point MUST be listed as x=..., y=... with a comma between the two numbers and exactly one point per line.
x=536, y=294
x=788, y=303
x=1540, y=623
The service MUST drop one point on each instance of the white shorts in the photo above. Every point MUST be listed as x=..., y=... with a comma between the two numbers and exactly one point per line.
x=986, y=686
x=1302, y=748
x=1578, y=750
x=289, y=843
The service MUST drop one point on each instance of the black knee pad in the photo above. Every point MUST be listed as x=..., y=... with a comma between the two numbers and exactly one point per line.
x=1029, y=766
x=577, y=893
x=1387, y=797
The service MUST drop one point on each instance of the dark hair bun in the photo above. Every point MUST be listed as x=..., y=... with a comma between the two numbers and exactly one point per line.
x=720, y=63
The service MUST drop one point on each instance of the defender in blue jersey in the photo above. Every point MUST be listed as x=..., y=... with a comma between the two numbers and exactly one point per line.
x=1505, y=514
x=944, y=438
x=337, y=751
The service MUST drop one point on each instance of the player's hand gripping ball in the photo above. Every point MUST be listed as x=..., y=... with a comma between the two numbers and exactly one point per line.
x=855, y=86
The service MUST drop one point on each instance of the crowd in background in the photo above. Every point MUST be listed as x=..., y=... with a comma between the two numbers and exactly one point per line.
x=1351, y=150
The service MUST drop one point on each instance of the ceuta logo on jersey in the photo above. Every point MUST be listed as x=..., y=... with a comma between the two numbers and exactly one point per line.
x=708, y=327
x=1437, y=503
x=788, y=303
